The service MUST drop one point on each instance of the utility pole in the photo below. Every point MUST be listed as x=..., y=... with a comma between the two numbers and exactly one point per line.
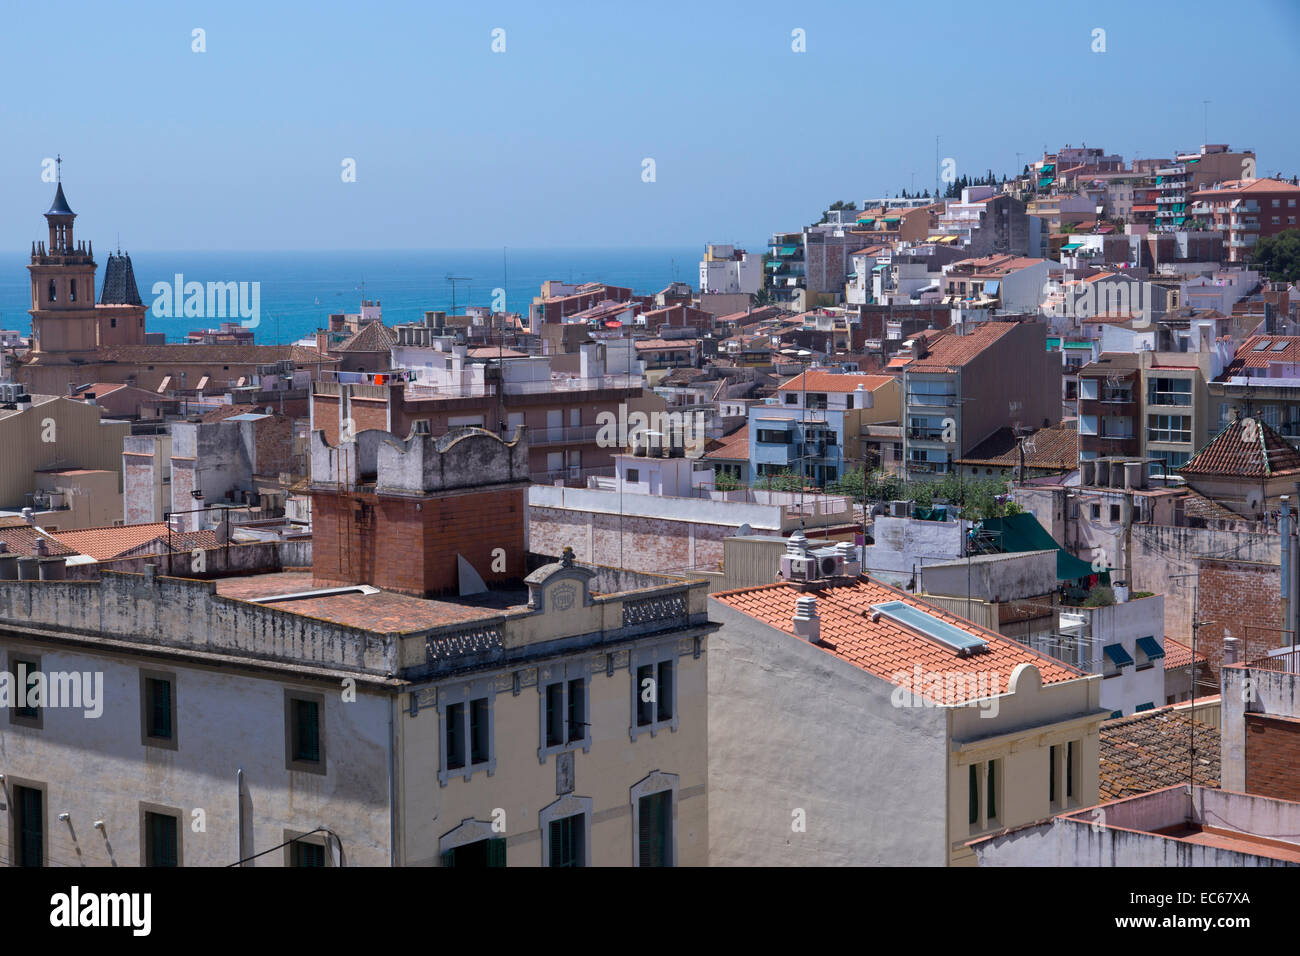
x=1191, y=713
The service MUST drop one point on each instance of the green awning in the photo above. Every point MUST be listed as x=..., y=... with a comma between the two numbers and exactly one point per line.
x=1071, y=245
x=1017, y=533
x=866, y=222
x=1151, y=648
x=852, y=275
x=891, y=218
x=789, y=250
x=1048, y=167
x=1079, y=345
x=1044, y=182
x=775, y=264
x=1116, y=654
x=1141, y=707
x=1053, y=344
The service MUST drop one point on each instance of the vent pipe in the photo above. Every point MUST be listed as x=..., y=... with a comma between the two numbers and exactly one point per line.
x=807, y=624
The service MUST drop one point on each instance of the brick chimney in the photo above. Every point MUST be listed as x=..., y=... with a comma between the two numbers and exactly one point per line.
x=397, y=513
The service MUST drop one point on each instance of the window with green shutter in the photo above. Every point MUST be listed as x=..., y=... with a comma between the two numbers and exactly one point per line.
x=665, y=690
x=159, y=707
x=1051, y=774
x=480, y=853
x=1069, y=770
x=29, y=826
x=645, y=688
x=654, y=826
x=306, y=731
x=577, y=711
x=308, y=854
x=992, y=775
x=24, y=672
x=567, y=848
x=160, y=839
x=974, y=796
x=554, y=715
x=455, y=736
x=480, y=731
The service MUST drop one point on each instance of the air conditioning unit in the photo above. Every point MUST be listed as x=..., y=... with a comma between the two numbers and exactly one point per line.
x=899, y=509
x=798, y=567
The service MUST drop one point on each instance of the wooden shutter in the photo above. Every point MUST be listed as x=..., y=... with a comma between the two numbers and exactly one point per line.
x=577, y=713
x=31, y=838
x=974, y=796
x=665, y=690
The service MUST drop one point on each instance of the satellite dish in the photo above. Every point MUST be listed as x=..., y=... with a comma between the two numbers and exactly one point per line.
x=744, y=530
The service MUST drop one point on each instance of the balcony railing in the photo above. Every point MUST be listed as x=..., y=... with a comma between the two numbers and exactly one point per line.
x=562, y=436
x=571, y=476
x=1286, y=663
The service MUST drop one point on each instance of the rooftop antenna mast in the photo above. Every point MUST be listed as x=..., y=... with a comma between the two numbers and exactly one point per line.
x=453, y=280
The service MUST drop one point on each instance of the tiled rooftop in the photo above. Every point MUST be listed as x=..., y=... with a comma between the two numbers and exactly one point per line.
x=886, y=648
x=820, y=380
x=733, y=447
x=1178, y=654
x=103, y=544
x=1055, y=447
x=1148, y=751
x=1246, y=448
x=953, y=351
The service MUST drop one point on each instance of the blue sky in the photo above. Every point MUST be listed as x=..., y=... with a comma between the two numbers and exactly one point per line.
x=241, y=147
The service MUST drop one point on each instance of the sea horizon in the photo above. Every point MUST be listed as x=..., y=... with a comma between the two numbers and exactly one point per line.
x=299, y=289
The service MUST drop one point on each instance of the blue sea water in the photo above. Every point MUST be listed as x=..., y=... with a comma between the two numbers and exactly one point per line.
x=299, y=290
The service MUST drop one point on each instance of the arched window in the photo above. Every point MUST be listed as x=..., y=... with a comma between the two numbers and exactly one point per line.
x=53, y=295
x=72, y=290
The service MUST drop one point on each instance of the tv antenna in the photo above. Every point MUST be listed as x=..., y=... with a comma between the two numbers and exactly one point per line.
x=453, y=280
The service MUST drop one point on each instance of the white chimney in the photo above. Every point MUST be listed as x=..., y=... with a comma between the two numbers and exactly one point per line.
x=1230, y=649
x=807, y=624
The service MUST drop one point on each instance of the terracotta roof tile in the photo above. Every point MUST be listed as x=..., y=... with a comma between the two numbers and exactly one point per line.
x=1055, y=447
x=1148, y=751
x=1245, y=448
x=953, y=351
x=22, y=541
x=820, y=380
x=371, y=337
x=103, y=544
x=1178, y=654
x=732, y=447
x=887, y=649
x=1249, y=356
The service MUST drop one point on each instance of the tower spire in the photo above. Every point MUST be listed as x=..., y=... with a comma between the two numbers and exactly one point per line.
x=58, y=168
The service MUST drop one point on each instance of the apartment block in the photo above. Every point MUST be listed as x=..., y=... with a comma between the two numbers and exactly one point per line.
x=555, y=718
x=956, y=392
x=814, y=425
x=930, y=730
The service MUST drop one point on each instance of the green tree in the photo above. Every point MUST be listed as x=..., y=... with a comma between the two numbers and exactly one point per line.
x=725, y=481
x=1278, y=256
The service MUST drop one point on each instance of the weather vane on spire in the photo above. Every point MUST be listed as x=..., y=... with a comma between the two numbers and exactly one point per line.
x=58, y=168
